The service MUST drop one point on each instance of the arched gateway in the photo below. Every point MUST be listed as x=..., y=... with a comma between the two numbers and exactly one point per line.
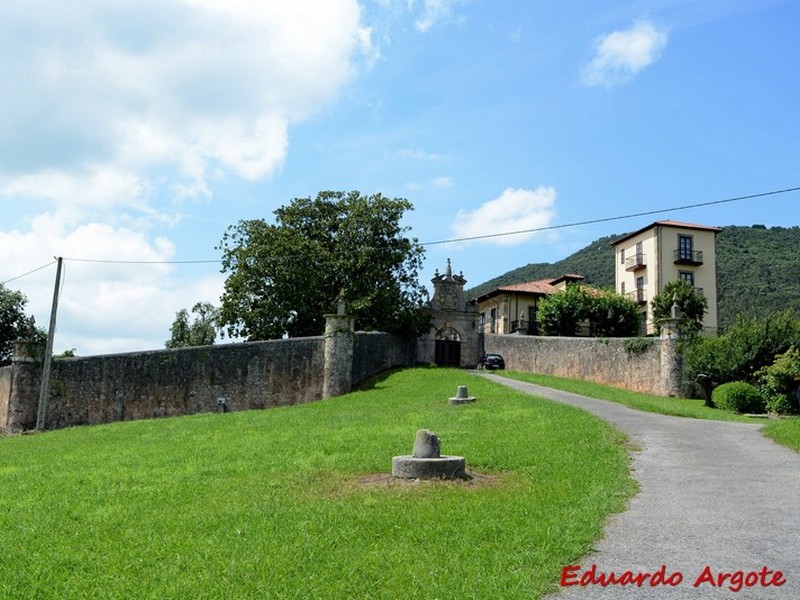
x=454, y=340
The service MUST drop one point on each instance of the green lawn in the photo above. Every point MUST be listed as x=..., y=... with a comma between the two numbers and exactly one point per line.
x=785, y=431
x=678, y=407
x=271, y=504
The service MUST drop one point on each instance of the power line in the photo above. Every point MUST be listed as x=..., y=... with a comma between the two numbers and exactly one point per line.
x=28, y=273
x=607, y=219
x=143, y=262
x=447, y=241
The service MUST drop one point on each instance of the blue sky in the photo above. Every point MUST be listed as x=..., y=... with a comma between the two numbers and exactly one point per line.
x=139, y=131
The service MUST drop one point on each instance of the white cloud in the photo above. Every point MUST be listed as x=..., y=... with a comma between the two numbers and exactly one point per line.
x=135, y=300
x=126, y=111
x=193, y=84
x=443, y=182
x=622, y=54
x=419, y=154
x=514, y=210
x=433, y=11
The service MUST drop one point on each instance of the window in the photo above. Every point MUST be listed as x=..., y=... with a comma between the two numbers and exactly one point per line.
x=622, y=256
x=687, y=276
x=684, y=247
x=493, y=321
x=639, y=254
x=622, y=288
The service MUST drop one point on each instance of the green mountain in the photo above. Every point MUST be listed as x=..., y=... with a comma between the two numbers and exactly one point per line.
x=758, y=270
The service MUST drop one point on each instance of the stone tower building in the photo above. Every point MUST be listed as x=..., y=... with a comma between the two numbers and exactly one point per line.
x=454, y=339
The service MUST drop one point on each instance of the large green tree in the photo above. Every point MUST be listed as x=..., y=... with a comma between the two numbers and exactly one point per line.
x=14, y=324
x=283, y=277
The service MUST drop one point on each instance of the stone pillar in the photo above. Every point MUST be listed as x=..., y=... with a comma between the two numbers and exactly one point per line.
x=671, y=361
x=339, y=342
x=26, y=380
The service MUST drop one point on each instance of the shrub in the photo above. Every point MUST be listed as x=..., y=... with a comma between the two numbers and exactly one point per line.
x=738, y=396
x=780, y=383
x=750, y=345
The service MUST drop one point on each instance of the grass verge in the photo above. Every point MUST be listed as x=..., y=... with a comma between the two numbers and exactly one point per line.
x=678, y=407
x=269, y=504
x=784, y=431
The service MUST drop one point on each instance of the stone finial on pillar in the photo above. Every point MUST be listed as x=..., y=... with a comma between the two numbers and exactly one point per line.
x=675, y=310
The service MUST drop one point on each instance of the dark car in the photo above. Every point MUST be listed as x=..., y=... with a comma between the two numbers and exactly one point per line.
x=491, y=361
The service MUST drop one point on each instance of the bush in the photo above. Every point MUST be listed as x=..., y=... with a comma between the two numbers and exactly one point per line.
x=780, y=383
x=750, y=345
x=738, y=396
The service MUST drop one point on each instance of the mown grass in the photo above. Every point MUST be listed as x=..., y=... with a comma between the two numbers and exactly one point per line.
x=678, y=407
x=784, y=431
x=270, y=504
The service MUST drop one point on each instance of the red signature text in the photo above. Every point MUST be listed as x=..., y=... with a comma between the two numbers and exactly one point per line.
x=734, y=580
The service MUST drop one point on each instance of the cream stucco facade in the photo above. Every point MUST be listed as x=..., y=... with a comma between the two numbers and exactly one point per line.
x=513, y=308
x=662, y=252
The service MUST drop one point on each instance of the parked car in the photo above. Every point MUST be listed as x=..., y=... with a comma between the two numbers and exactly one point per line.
x=491, y=361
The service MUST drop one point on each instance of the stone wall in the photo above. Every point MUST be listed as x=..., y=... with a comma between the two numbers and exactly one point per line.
x=653, y=369
x=161, y=383
x=376, y=352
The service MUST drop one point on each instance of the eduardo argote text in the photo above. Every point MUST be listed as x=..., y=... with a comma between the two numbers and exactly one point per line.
x=706, y=578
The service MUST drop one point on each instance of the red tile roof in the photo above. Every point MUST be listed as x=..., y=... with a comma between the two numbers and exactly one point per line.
x=541, y=286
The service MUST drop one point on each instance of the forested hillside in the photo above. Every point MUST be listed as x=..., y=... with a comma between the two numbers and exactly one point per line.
x=758, y=270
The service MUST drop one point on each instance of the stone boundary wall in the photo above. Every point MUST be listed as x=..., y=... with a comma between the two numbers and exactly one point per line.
x=376, y=352
x=655, y=370
x=161, y=383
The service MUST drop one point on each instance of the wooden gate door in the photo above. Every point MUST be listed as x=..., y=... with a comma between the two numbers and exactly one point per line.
x=448, y=353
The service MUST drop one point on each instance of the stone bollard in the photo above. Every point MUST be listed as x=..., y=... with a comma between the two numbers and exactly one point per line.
x=462, y=396
x=426, y=445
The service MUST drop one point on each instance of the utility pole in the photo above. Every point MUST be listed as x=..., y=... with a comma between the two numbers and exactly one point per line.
x=48, y=352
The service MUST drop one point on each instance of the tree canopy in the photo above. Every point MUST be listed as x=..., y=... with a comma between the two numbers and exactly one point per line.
x=607, y=313
x=200, y=332
x=283, y=277
x=693, y=307
x=14, y=324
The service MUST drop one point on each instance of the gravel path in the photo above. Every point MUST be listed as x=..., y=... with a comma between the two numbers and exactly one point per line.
x=715, y=497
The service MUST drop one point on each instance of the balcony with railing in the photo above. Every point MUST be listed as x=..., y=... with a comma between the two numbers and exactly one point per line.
x=638, y=295
x=688, y=257
x=636, y=262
